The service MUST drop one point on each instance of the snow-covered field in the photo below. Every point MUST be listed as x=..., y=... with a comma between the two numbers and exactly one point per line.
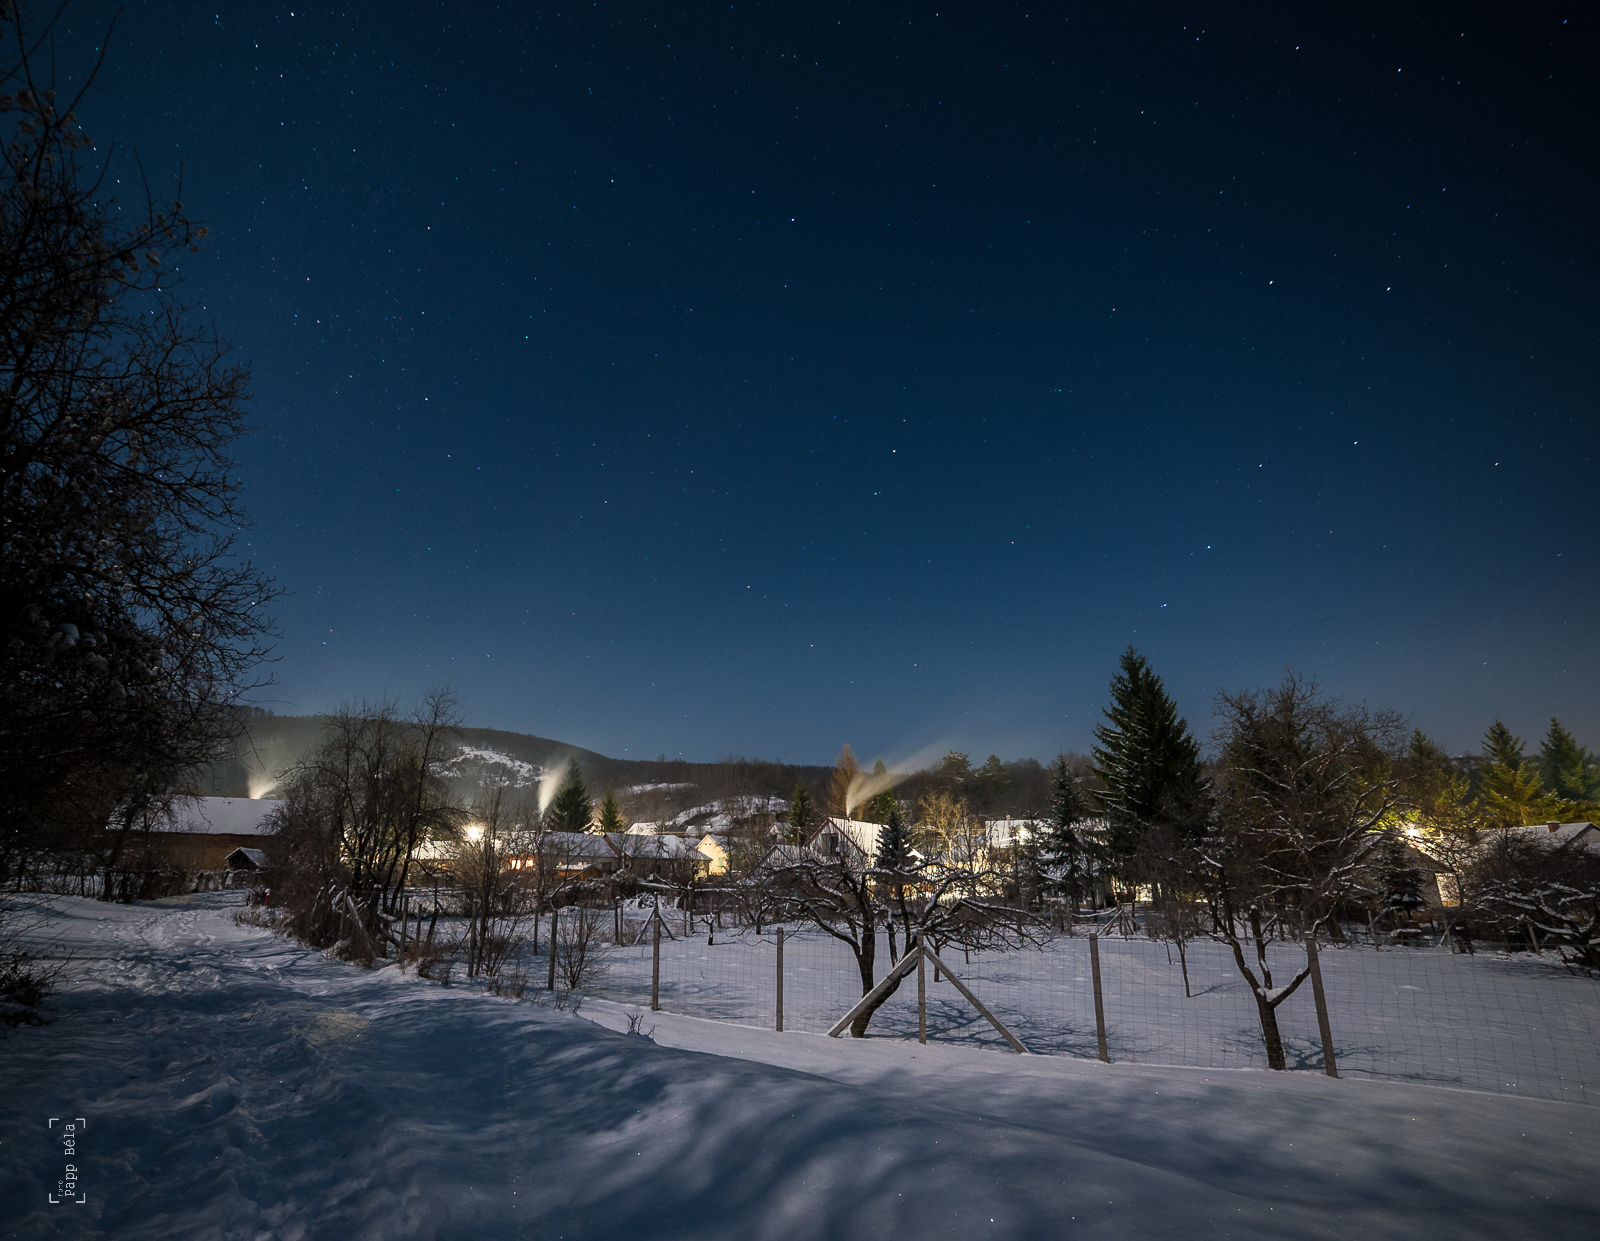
x=235, y=1085
x=1515, y=1024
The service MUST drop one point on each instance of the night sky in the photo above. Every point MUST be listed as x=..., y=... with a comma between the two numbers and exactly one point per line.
x=752, y=379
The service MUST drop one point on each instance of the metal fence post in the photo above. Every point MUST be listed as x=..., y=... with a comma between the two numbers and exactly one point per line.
x=1099, y=1001
x=1329, y=1065
x=780, y=980
x=655, y=968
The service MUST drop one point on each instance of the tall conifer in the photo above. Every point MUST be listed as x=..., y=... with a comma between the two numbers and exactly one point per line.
x=1146, y=756
x=570, y=811
x=1065, y=864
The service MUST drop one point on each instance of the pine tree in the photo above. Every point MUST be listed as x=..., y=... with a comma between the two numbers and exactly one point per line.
x=1510, y=791
x=989, y=782
x=894, y=842
x=1399, y=879
x=571, y=811
x=1502, y=748
x=1570, y=768
x=883, y=801
x=1146, y=756
x=1064, y=863
x=611, y=813
x=802, y=814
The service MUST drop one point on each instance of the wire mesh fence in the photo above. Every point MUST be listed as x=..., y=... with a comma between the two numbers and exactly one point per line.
x=1514, y=1023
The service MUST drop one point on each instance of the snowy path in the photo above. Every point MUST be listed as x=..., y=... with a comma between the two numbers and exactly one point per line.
x=236, y=1086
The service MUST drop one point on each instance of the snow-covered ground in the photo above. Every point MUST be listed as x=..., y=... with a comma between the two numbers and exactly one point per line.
x=1514, y=1024
x=235, y=1085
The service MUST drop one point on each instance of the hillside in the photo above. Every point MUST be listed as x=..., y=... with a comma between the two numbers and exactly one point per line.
x=276, y=742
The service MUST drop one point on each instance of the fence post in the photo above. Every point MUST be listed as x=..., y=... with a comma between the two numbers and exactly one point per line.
x=922, y=993
x=1099, y=1001
x=555, y=913
x=1330, y=1066
x=655, y=967
x=780, y=980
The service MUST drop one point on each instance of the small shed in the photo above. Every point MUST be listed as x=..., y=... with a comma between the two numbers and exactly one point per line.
x=246, y=859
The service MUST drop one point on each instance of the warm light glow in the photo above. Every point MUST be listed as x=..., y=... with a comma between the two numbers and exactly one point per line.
x=474, y=831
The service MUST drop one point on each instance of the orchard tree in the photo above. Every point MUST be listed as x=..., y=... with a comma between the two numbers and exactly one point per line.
x=130, y=626
x=1306, y=783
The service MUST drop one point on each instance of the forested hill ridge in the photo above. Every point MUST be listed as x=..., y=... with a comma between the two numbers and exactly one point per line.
x=652, y=789
x=275, y=743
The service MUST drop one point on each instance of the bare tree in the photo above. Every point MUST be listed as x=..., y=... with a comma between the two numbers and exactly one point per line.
x=356, y=812
x=933, y=900
x=129, y=625
x=1305, y=783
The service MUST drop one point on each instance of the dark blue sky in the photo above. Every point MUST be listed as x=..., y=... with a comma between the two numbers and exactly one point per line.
x=753, y=379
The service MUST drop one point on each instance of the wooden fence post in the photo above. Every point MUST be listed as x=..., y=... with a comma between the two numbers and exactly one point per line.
x=780, y=980
x=1099, y=1001
x=655, y=968
x=555, y=913
x=1330, y=1066
x=922, y=994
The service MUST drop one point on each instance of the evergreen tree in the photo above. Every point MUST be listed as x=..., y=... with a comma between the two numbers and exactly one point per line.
x=1437, y=793
x=990, y=782
x=1502, y=748
x=1571, y=770
x=1063, y=861
x=802, y=814
x=1399, y=879
x=611, y=813
x=956, y=769
x=894, y=842
x=571, y=811
x=1510, y=791
x=879, y=805
x=1146, y=756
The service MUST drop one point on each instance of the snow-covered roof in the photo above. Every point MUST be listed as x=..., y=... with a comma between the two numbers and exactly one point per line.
x=220, y=816
x=1582, y=835
x=256, y=858
x=576, y=844
x=666, y=848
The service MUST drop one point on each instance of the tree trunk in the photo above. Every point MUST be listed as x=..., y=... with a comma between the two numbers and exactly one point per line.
x=1270, y=1035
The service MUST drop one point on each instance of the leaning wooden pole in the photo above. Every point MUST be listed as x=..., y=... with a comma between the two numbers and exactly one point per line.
x=901, y=968
x=1016, y=1043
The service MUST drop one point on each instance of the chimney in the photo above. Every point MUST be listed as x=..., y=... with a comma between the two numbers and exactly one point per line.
x=1552, y=826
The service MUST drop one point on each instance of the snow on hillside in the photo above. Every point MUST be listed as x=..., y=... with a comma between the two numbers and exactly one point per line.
x=235, y=1085
x=490, y=768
